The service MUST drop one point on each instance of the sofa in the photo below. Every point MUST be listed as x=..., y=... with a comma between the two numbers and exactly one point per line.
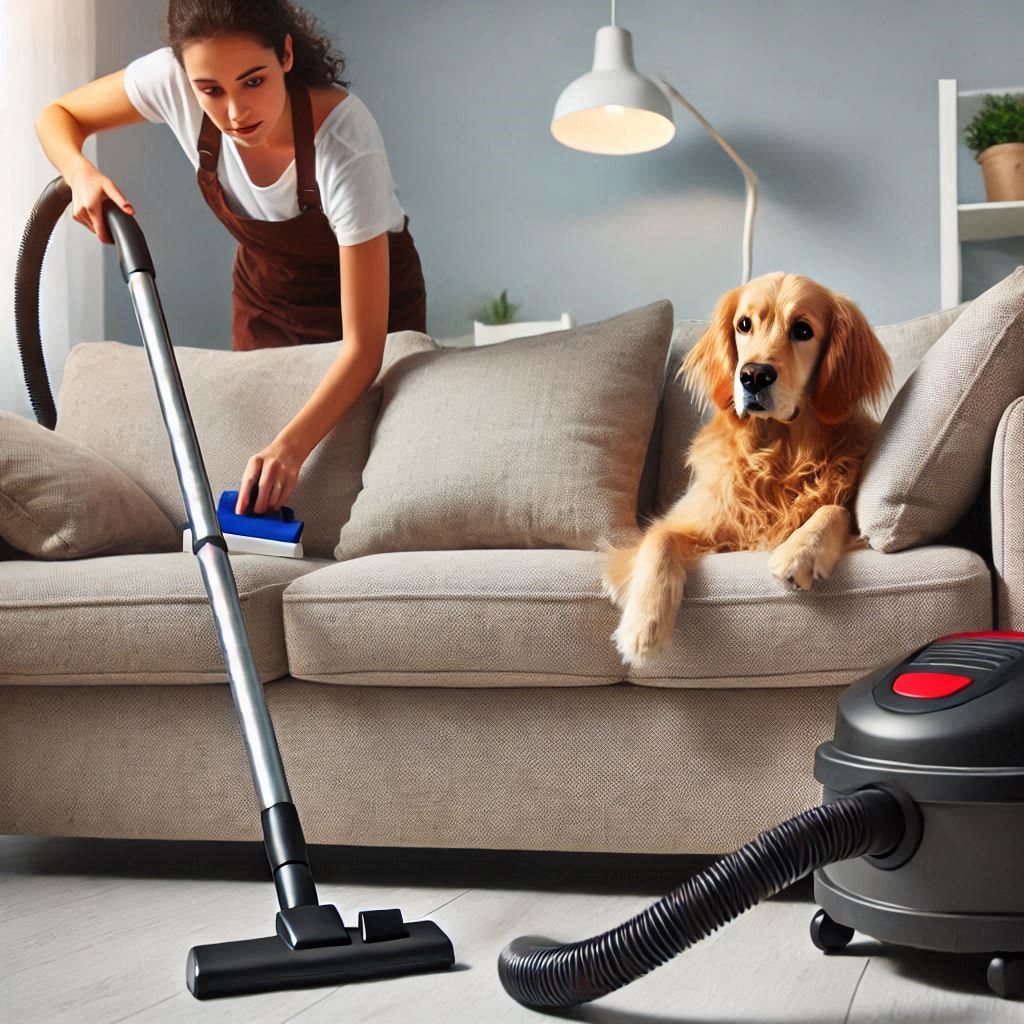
x=452, y=696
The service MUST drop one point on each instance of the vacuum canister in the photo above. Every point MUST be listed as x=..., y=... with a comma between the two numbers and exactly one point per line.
x=943, y=730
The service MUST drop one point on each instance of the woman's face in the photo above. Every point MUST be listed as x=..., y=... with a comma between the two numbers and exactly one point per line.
x=240, y=84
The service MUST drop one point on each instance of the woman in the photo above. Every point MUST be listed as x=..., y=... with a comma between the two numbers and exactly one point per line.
x=295, y=168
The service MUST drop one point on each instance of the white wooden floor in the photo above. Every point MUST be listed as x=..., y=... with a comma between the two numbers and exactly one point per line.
x=98, y=931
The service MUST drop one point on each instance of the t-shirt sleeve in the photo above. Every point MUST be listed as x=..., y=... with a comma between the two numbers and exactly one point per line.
x=155, y=84
x=359, y=198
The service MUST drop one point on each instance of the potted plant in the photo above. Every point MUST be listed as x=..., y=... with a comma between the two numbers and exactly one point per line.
x=996, y=136
x=490, y=325
x=497, y=322
x=498, y=311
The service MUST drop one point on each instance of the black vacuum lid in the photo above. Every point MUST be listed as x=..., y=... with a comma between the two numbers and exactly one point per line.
x=957, y=702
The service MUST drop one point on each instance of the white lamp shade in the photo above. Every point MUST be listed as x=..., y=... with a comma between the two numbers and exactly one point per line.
x=613, y=110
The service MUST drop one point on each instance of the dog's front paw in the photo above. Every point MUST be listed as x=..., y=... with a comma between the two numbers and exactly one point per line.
x=797, y=565
x=639, y=635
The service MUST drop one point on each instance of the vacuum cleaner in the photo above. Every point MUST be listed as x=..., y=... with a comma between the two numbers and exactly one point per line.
x=917, y=841
x=312, y=945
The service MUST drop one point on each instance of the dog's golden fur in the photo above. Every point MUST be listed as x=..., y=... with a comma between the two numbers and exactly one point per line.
x=779, y=477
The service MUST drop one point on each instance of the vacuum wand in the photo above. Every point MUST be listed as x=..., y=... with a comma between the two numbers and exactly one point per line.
x=312, y=946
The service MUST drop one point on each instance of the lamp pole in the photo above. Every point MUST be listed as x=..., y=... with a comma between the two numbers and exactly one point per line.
x=748, y=174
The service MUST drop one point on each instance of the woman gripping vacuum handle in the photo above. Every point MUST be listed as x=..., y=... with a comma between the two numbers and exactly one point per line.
x=63, y=128
x=90, y=188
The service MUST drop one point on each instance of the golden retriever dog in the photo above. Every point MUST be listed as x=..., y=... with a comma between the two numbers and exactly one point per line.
x=788, y=367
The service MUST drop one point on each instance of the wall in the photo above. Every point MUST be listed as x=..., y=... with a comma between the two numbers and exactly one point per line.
x=835, y=106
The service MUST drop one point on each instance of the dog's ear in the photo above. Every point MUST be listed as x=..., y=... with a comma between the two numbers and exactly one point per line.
x=853, y=368
x=709, y=366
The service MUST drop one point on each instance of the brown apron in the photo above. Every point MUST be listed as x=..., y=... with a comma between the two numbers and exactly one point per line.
x=286, y=288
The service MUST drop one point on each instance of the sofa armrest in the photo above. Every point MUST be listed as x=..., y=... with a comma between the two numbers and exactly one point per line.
x=1007, y=500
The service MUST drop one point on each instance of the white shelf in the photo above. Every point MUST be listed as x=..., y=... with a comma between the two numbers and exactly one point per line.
x=965, y=222
x=981, y=222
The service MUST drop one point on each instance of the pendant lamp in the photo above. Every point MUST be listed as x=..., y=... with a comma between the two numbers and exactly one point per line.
x=615, y=111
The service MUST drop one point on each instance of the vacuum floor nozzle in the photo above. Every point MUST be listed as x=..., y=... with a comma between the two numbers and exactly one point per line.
x=263, y=965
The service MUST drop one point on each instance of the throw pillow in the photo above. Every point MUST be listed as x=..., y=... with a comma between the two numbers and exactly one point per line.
x=536, y=442
x=60, y=500
x=932, y=452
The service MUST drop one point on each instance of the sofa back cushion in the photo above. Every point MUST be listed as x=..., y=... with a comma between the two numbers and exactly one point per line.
x=239, y=402
x=933, y=450
x=536, y=442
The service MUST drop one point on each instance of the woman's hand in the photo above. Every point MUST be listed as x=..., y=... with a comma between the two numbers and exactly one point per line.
x=89, y=188
x=275, y=471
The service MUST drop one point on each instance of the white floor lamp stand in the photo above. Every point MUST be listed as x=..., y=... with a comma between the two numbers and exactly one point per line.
x=748, y=174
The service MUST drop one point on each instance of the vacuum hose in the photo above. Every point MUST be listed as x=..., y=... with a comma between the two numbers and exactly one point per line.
x=536, y=974
x=41, y=222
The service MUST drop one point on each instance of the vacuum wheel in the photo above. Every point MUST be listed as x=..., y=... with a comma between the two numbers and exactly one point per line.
x=828, y=935
x=1006, y=976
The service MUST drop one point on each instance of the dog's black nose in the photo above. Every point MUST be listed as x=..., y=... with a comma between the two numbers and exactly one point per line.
x=755, y=376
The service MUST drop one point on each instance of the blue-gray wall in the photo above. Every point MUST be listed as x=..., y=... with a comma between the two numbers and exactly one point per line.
x=834, y=105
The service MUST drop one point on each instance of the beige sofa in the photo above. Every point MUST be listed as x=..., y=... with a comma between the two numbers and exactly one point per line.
x=469, y=698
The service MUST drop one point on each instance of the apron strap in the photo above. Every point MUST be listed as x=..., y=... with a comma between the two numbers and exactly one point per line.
x=208, y=145
x=305, y=151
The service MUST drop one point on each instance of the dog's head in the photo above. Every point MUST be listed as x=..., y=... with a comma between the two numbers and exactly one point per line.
x=783, y=344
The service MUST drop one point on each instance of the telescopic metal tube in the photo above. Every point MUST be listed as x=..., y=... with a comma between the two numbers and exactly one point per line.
x=246, y=689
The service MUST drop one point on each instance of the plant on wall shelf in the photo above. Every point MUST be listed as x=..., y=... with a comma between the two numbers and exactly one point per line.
x=1000, y=120
x=996, y=136
x=498, y=311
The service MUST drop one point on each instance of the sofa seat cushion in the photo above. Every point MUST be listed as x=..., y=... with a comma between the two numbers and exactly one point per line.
x=135, y=619
x=488, y=617
x=737, y=617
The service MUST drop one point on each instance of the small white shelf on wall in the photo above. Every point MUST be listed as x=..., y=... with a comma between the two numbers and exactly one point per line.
x=965, y=222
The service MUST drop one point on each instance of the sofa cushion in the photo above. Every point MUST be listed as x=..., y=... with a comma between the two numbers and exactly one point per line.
x=736, y=617
x=680, y=417
x=933, y=450
x=906, y=343
x=454, y=618
x=135, y=619
x=60, y=500
x=537, y=442
x=239, y=402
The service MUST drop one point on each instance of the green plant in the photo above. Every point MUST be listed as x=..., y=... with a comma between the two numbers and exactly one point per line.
x=498, y=311
x=1001, y=119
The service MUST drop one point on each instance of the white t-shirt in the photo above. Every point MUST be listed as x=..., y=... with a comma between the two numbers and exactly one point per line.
x=352, y=172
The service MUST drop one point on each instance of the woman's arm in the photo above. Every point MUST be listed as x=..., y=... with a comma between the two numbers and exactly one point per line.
x=364, y=312
x=63, y=127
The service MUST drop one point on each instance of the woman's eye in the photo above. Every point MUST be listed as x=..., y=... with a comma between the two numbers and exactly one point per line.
x=744, y=325
x=253, y=83
x=802, y=331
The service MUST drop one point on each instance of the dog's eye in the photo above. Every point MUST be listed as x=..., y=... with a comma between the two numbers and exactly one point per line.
x=744, y=325
x=802, y=331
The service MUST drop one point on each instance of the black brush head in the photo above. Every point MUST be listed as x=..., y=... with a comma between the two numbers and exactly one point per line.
x=266, y=965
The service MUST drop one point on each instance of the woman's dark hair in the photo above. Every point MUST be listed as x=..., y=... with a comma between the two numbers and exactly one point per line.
x=315, y=61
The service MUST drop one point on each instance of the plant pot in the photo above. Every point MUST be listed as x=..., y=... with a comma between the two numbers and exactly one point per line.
x=1002, y=167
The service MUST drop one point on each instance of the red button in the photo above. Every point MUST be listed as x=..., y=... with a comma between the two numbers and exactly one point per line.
x=929, y=684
